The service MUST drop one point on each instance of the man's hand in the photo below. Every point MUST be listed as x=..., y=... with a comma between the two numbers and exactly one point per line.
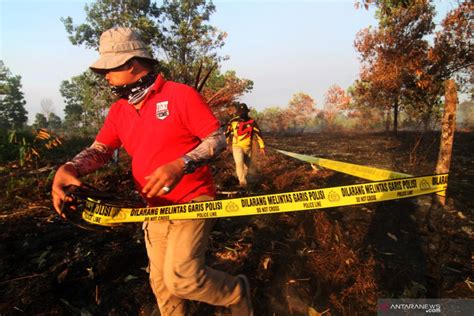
x=64, y=177
x=165, y=176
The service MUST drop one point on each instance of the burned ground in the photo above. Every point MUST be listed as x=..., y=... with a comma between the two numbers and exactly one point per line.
x=338, y=261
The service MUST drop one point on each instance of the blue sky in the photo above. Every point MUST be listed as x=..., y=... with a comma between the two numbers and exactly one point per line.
x=284, y=46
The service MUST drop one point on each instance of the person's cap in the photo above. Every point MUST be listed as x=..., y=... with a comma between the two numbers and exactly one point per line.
x=117, y=46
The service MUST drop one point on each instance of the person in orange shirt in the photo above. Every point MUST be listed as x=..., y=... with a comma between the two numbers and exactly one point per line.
x=241, y=131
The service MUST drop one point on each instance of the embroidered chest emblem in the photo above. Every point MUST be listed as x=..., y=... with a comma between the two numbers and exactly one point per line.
x=162, y=111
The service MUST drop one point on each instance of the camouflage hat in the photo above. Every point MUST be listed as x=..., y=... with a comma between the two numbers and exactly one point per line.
x=117, y=46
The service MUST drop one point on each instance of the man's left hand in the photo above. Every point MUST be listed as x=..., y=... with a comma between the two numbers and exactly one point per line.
x=164, y=178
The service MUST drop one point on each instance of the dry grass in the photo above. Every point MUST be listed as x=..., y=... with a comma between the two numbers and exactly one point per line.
x=341, y=269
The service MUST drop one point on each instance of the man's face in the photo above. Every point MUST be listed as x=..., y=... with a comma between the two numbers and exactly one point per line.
x=121, y=75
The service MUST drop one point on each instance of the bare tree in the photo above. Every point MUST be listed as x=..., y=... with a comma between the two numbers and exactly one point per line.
x=47, y=107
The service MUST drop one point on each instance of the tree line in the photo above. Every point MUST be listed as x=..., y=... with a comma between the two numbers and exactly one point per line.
x=404, y=61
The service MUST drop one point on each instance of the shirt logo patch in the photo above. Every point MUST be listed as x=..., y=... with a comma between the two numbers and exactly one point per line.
x=162, y=111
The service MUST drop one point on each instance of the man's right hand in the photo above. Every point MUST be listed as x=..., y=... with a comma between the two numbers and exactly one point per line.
x=64, y=177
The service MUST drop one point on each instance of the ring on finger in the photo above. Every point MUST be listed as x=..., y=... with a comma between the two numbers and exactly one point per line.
x=166, y=188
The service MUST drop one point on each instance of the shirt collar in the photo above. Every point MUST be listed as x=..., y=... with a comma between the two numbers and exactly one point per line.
x=159, y=83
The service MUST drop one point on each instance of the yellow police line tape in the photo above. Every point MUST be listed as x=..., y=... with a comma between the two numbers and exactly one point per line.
x=105, y=214
x=364, y=172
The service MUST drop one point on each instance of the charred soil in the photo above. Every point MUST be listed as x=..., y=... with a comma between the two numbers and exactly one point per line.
x=338, y=261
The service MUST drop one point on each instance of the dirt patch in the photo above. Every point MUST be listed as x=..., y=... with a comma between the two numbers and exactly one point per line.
x=338, y=260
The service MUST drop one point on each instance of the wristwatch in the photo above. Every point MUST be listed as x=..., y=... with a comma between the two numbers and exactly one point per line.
x=189, y=165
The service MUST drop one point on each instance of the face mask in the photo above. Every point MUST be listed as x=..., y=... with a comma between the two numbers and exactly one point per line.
x=135, y=92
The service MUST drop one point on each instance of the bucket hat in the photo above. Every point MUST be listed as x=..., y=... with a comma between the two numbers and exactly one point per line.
x=117, y=46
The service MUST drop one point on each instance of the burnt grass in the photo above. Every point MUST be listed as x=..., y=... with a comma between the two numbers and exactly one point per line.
x=338, y=261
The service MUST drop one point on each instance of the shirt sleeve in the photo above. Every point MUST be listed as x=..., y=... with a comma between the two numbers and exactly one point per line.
x=196, y=114
x=108, y=133
x=91, y=159
x=210, y=147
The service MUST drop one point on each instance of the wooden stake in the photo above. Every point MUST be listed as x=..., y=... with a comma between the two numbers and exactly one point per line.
x=448, y=126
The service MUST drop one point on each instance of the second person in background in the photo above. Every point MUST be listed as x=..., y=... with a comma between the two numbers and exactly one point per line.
x=241, y=131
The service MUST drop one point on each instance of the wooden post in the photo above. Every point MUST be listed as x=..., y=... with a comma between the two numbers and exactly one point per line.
x=448, y=126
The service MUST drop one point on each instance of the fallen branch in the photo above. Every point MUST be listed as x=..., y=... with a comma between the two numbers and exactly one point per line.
x=41, y=170
x=22, y=212
x=23, y=173
x=21, y=278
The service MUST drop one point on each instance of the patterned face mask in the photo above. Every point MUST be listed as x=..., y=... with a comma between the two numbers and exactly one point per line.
x=135, y=92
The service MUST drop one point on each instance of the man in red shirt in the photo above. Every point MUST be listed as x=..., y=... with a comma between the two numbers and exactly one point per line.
x=170, y=133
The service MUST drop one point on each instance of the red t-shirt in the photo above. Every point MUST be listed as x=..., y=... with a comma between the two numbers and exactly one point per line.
x=171, y=122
